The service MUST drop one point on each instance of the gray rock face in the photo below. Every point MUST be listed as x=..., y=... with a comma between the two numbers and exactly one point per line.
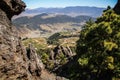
x=15, y=62
x=58, y=57
x=58, y=50
x=12, y=7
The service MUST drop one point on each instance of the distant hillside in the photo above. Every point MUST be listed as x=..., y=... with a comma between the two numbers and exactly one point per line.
x=36, y=21
x=47, y=21
x=48, y=24
x=64, y=38
x=71, y=11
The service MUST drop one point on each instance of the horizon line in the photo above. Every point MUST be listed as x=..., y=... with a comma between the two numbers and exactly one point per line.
x=68, y=6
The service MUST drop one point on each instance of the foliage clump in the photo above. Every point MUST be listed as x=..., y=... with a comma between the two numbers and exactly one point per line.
x=98, y=49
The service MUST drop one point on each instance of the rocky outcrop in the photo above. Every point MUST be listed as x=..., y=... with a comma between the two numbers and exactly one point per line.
x=117, y=7
x=15, y=62
x=58, y=50
x=12, y=7
x=58, y=57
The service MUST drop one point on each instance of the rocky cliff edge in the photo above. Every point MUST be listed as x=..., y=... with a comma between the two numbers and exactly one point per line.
x=16, y=63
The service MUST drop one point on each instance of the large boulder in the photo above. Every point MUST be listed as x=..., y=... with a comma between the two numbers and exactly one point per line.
x=12, y=7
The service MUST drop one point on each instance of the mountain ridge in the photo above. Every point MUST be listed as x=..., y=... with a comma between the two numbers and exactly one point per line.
x=70, y=10
x=50, y=23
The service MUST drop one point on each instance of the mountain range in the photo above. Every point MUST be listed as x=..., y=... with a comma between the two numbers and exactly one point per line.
x=51, y=20
x=71, y=11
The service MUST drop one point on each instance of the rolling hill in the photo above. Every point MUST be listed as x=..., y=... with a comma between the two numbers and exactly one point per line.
x=50, y=23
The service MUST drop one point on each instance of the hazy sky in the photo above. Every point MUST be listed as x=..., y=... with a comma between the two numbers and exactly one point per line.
x=63, y=3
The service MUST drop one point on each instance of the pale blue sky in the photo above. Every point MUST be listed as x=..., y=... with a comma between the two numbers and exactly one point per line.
x=63, y=3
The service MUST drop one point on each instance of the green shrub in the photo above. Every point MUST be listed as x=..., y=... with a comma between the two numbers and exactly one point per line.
x=98, y=49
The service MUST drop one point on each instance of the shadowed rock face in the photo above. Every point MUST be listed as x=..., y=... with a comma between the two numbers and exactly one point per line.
x=12, y=7
x=117, y=7
x=16, y=63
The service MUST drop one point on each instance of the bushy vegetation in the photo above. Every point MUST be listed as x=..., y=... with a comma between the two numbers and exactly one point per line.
x=46, y=53
x=38, y=43
x=51, y=64
x=42, y=49
x=54, y=38
x=98, y=49
x=45, y=57
x=60, y=37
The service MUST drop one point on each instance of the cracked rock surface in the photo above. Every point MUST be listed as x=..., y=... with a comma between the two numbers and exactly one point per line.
x=15, y=62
